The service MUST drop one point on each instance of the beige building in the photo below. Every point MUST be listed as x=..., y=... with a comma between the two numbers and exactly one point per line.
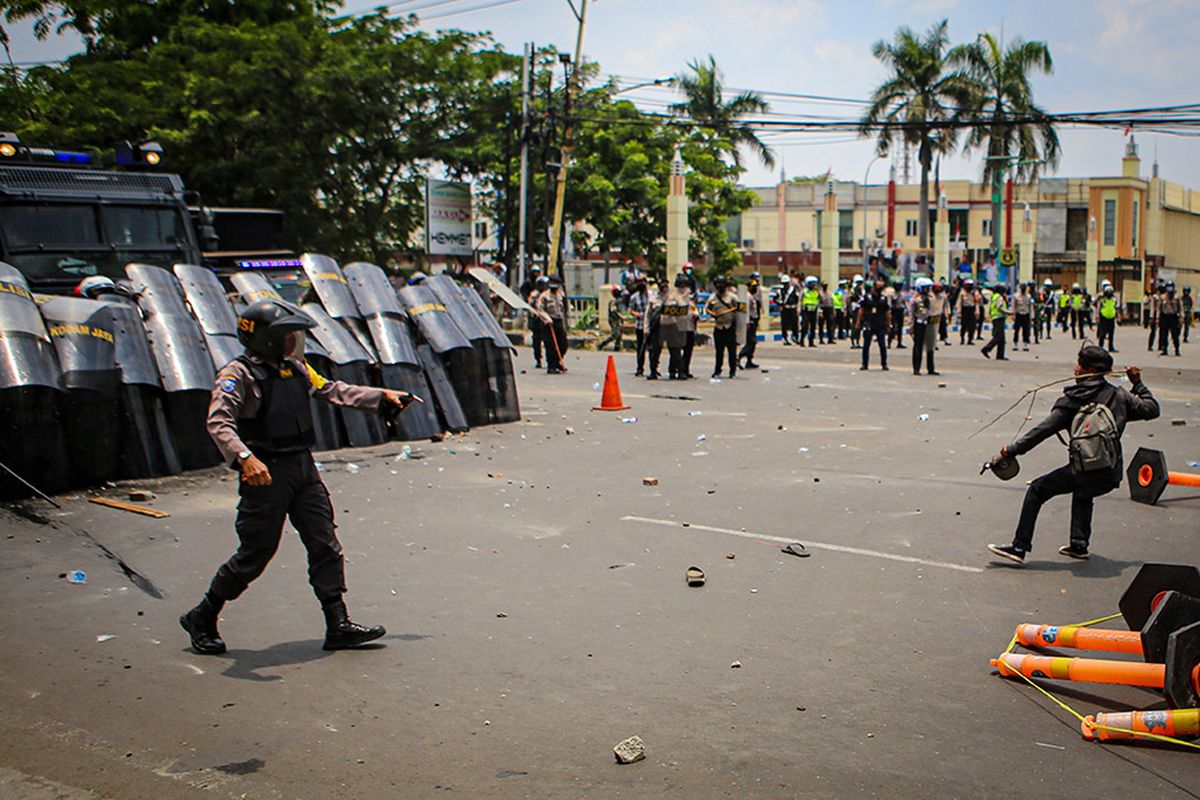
x=1145, y=227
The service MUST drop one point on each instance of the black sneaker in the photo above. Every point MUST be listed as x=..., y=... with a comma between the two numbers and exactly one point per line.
x=1074, y=551
x=1014, y=554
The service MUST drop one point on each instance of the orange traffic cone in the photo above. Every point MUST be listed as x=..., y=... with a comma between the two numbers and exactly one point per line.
x=611, y=399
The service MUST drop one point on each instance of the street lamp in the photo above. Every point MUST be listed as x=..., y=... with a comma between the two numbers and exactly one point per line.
x=644, y=84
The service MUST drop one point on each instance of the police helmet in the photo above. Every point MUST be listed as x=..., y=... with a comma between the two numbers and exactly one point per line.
x=755, y=276
x=554, y=280
x=542, y=281
x=1075, y=287
x=616, y=291
x=923, y=283
x=263, y=326
x=969, y=282
x=416, y=278
x=810, y=279
x=1109, y=289
x=858, y=278
x=1048, y=283
x=94, y=286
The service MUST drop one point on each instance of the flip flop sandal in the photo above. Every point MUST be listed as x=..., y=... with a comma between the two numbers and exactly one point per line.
x=695, y=576
x=796, y=549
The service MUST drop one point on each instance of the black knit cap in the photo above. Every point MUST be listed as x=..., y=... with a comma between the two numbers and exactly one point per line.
x=1094, y=358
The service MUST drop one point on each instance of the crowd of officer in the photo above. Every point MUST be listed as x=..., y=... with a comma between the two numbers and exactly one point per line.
x=868, y=313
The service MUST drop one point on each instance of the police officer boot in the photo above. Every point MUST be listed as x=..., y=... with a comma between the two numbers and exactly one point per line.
x=341, y=633
x=201, y=625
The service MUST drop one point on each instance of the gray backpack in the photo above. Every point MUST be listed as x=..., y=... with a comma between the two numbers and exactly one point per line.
x=1094, y=444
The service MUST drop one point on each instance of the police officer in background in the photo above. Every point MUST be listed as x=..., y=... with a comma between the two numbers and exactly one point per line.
x=722, y=306
x=1169, y=309
x=810, y=302
x=261, y=421
x=1108, y=317
x=1186, y=304
x=1046, y=308
x=789, y=315
x=998, y=313
x=874, y=320
x=754, y=310
x=924, y=326
x=552, y=307
x=1023, y=313
x=537, y=326
x=968, y=305
x=898, y=309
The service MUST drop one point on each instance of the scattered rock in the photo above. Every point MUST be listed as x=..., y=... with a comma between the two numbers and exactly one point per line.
x=437, y=437
x=630, y=750
x=1179, y=422
x=649, y=481
x=687, y=524
x=736, y=665
x=495, y=474
x=731, y=556
x=570, y=431
x=141, y=495
x=502, y=615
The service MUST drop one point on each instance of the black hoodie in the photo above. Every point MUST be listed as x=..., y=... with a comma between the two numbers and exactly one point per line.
x=1126, y=405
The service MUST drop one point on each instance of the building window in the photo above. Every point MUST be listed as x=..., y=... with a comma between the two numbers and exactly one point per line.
x=1110, y=222
x=987, y=227
x=1136, y=205
x=1077, y=228
x=846, y=231
x=910, y=227
x=481, y=231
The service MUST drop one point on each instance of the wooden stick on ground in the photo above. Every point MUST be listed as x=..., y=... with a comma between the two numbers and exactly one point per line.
x=135, y=509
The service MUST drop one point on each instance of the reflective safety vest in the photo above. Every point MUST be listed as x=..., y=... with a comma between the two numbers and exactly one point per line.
x=999, y=308
x=1064, y=300
x=1108, y=307
x=810, y=299
x=839, y=300
x=1076, y=301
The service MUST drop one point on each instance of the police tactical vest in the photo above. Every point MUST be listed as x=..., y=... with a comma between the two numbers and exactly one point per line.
x=811, y=299
x=998, y=307
x=1108, y=307
x=283, y=422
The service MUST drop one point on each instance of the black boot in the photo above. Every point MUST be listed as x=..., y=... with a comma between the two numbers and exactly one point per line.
x=201, y=625
x=341, y=633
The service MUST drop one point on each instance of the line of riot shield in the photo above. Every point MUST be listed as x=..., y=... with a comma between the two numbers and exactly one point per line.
x=399, y=366
x=85, y=340
x=450, y=411
x=333, y=291
x=252, y=287
x=206, y=298
x=183, y=360
x=503, y=402
x=31, y=434
x=147, y=447
x=349, y=363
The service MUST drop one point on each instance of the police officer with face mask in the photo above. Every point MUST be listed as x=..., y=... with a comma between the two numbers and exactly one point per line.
x=261, y=421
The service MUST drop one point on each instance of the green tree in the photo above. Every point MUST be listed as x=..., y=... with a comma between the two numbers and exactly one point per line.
x=703, y=89
x=919, y=103
x=1004, y=94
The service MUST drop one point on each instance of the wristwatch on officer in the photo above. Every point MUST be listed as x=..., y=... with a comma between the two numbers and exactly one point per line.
x=242, y=456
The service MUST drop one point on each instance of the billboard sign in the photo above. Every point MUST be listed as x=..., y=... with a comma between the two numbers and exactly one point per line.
x=448, y=218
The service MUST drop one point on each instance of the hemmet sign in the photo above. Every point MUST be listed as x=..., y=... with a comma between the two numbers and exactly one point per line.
x=447, y=218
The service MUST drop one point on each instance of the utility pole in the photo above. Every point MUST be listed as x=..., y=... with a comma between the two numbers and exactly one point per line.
x=560, y=195
x=526, y=67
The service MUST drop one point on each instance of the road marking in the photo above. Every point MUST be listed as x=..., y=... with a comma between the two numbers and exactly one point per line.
x=836, y=548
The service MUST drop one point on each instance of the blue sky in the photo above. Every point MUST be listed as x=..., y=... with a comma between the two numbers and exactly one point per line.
x=1107, y=54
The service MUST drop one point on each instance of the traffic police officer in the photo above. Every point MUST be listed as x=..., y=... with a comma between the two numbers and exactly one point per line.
x=1108, y=317
x=998, y=314
x=754, y=311
x=810, y=301
x=261, y=421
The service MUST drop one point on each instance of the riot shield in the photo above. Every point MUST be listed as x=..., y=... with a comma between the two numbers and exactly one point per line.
x=502, y=401
x=349, y=362
x=31, y=435
x=432, y=319
x=384, y=315
x=84, y=338
x=253, y=287
x=442, y=394
x=739, y=319
x=175, y=338
x=486, y=318
x=132, y=347
x=446, y=290
x=27, y=357
x=147, y=447
x=206, y=298
x=183, y=360
x=333, y=290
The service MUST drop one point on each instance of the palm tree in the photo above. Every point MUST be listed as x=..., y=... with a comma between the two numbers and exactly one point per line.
x=1002, y=78
x=920, y=102
x=704, y=102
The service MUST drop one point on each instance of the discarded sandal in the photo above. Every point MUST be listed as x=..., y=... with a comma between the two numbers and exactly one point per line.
x=796, y=549
x=695, y=576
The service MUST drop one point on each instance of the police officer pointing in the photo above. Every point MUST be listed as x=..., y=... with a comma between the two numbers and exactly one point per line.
x=261, y=421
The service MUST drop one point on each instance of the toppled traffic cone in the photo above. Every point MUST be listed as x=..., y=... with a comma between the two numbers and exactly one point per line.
x=611, y=399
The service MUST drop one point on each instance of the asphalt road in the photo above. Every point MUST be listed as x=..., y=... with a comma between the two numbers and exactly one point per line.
x=534, y=593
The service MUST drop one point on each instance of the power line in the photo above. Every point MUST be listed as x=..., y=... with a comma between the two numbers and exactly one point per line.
x=484, y=7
